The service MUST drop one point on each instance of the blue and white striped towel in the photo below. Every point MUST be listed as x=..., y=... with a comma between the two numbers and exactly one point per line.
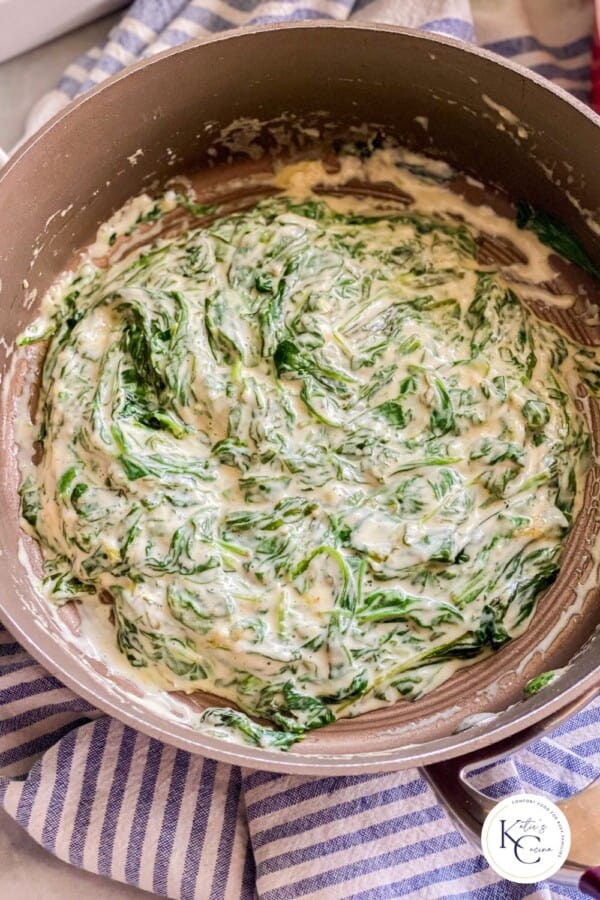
x=113, y=801
x=553, y=37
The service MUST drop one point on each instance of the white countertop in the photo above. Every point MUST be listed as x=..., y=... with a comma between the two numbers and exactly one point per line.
x=26, y=870
x=25, y=78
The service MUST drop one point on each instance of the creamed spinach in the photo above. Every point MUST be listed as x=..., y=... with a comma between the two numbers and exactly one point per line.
x=310, y=460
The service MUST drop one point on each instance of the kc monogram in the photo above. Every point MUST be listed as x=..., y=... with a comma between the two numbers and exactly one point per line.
x=525, y=838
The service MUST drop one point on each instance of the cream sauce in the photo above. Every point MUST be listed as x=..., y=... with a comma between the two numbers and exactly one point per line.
x=315, y=455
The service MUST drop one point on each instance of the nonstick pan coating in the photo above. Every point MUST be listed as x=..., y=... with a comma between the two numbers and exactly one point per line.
x=319, y=81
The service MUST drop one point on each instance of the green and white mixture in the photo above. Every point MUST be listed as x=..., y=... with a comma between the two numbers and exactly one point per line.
x=313, y=460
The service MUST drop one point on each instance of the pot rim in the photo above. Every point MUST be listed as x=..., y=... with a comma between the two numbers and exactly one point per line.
x=567, y=689
x=320, y=25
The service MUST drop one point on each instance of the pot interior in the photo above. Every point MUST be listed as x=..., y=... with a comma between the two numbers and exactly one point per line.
x=213, y=112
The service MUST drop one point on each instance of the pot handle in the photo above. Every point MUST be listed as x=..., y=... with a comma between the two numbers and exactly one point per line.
x=469, y=807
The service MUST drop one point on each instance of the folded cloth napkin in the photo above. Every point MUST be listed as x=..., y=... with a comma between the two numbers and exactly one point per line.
x=553, y=37
x=106, y=798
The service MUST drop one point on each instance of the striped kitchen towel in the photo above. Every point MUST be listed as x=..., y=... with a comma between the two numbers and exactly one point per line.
x=102, y=796
x=553, y=37
x=595, y=77
x=108, y=799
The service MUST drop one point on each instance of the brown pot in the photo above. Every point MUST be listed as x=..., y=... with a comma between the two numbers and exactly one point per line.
x=490, y=118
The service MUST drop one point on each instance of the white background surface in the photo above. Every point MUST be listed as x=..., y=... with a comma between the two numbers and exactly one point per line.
x=27, y=872
x=25, y=78
x=26, y=23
